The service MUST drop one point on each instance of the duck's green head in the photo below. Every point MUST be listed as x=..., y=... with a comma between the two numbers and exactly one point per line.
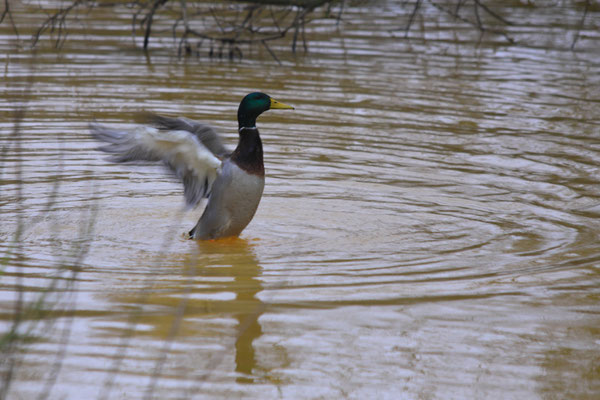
x=255, y=104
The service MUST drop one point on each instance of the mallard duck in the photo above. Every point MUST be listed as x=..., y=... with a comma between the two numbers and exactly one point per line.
x=233, y=182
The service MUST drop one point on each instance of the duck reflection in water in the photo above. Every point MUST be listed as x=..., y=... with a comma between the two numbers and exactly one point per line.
x=235, y=258
x=189, y=308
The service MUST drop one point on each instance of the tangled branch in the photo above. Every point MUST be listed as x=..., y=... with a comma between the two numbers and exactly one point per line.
x=222, y=29
x=478, y=7
x=57, y=22
x=260, y=24
x=252, y=22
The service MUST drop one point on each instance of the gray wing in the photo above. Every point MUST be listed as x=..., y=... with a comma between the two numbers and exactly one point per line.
x=181, y=150
x=205, y=133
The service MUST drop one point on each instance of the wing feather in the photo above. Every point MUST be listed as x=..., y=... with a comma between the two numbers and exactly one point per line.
x=205, y=133
x=180, y=150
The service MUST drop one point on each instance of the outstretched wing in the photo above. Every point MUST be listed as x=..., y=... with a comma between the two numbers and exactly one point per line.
x=181, y=150
x=205, y=133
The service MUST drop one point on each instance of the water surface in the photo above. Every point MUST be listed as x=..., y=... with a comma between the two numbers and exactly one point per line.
x=429, y=227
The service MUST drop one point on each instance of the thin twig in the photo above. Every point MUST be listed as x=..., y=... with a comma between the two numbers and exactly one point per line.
x=134, y=318
x=11, y=340
x=80, y=251
x=9, y=13
x=412, y=17
x=303, y=29
x=340, y=12
x=149, y=17
x=492, y=13
x=60, y=18
x=459, y=4
x=478, y=24
x=135, y=17
x=264, y=43
x=477, y=18
x=585, y=11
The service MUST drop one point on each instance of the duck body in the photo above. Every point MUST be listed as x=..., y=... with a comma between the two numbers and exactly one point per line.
x=232, y=182
x=232, y=204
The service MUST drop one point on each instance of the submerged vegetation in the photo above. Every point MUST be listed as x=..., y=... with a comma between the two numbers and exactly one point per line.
x=224, y=29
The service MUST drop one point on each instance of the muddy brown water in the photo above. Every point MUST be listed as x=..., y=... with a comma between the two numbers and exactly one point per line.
x=429, y=228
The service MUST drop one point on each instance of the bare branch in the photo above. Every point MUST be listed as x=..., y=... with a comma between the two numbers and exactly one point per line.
x=57, y=19
x=149, y=17
x=10, y=17
x=477, y=18
x=264, y=43
x=308, y=4
x=492, y=13
x=412, y=17
x=478, y=23
x=459, y=4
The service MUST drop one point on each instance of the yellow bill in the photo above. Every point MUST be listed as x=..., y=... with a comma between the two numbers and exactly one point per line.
x=280, y=105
